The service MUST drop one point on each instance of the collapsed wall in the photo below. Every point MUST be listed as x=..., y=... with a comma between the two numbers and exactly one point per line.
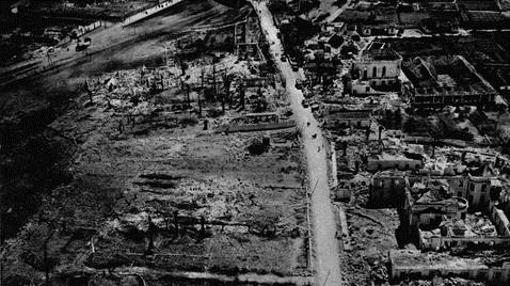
x=414, y=264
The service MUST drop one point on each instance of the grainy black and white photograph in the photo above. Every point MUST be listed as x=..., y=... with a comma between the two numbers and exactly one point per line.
x=254, y=142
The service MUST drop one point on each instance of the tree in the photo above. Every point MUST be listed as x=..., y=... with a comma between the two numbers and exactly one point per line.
x=150, y=232
x=183, y=65
x=188, y=96
x=227, y=80
x=261, y=102
x=277, y=6
x=199, y=104
x=89, y=92
x=37, y=250
x=398, y=118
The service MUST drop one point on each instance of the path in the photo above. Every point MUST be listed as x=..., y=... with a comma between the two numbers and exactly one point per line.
x=327, y=264
x=337, y=13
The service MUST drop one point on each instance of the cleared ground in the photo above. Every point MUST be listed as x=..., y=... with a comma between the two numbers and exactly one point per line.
x=148, y=189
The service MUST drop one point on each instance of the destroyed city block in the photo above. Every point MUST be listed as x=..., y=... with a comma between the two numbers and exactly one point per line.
x=254, y=142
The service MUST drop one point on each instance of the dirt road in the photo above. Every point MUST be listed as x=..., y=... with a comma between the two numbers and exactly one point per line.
x=324, y=227
x=337, y=13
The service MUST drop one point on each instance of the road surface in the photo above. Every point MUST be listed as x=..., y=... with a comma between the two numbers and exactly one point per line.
x=147, y=26
x=337, y=13
x=327, y=264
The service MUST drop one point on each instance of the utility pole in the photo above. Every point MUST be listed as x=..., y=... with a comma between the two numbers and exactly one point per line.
x=45, y=218
x=151, y=230
x=46, y=267
x=181, y=63
x=50, y=62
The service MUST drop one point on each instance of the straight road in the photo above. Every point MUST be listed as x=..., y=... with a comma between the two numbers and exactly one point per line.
x=337, y=13
x=327, y=264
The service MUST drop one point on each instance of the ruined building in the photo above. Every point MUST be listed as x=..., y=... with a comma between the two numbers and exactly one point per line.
x=378, y=69
x=437, y=81
x=347, y=118
x=247, y=36
x=408, y=263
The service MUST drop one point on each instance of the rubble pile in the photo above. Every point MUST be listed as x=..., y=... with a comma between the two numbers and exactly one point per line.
x=479, y=224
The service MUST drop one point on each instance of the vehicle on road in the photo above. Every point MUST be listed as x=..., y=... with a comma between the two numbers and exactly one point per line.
x=299, y=84
x=293, y=64
x=83, y=44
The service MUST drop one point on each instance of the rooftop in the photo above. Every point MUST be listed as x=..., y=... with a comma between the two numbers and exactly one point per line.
x=378, y=51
